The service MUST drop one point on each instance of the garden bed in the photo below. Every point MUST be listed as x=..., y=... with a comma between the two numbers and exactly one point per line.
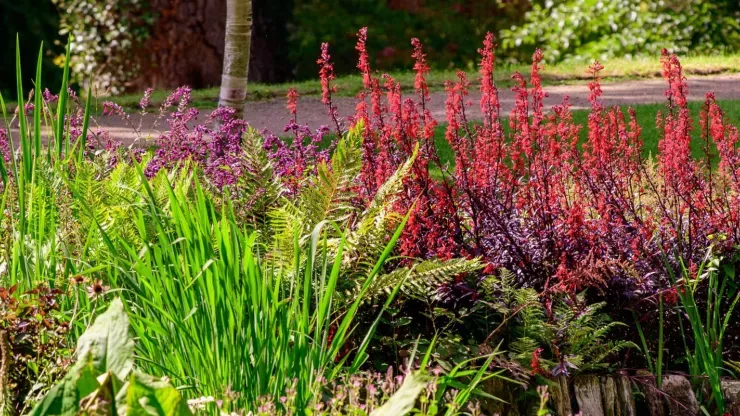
x=358, y=267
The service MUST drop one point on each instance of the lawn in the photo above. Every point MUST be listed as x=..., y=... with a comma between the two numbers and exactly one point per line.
x=618, y=69
x=564, y=73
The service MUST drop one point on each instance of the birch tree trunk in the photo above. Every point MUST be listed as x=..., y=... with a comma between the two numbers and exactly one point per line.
x=236, y=55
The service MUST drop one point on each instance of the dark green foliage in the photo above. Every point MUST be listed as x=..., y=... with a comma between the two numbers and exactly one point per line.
x=34, y=21
x=450, y=30
x=33, y=333
x=569, y=336
x=583, y=30
x=106, y=33
x=576, y=30
x=103, y=382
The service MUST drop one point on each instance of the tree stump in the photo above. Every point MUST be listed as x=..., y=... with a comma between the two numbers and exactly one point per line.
x=609, y=396
x=731, y=391
x=502, y=390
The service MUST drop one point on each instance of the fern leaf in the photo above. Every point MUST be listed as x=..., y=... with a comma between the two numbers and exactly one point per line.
x=424, y=279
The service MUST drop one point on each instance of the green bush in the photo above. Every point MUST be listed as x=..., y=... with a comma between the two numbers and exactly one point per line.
x=103, y=380
x=582, y=30
x=104, y=33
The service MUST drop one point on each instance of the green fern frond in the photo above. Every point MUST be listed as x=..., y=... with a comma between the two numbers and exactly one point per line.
x=581, y=335
x=327, y=198
x=285, y=222
x=373, y=228
x=330, y=196
x=423, y=280
x=260, y=189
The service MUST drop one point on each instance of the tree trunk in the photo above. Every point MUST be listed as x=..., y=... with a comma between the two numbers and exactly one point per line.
x=238, y=39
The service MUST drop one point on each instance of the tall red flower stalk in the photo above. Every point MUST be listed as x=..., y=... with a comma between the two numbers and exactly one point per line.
x=292, y=105
x=326, y=75
x=369, y=138
x=421, y=69
x=561, y=216
x=363, y=62
x=725, y=206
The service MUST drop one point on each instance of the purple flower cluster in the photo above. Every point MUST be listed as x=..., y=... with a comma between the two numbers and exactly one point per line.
x=224, y=165
x=75, y=121
x=49, y=97
x=111, y=108
x=300, y=157
x=5, y=151
x=180, y=96
x=146, y=100
x=179, y=144
x=216, y=145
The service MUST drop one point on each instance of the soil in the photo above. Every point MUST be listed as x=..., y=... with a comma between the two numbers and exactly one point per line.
x=273, y=116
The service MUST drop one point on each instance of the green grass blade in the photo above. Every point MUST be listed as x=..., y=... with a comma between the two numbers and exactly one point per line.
x=62, y=103
x=23, y=129
x=3, y=173
x=463, y=395
x=85, y=122
x=659, y=361
x=324, y=309
x=645, y=348
x=343, y=331
x=361, y=356
x=38, y=105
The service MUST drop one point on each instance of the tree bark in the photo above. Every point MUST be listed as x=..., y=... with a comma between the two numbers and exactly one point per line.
x=238, y=38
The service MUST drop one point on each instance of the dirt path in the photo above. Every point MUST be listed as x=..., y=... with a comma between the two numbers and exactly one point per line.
x=273, y=116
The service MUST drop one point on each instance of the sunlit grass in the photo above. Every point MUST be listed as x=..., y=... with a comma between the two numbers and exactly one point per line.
x=563, y=73
x=617, y=69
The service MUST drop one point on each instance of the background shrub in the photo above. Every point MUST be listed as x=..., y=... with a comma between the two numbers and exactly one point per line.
x=450, y=28
x=135, y=44
x=581, y=30
x=33, y=21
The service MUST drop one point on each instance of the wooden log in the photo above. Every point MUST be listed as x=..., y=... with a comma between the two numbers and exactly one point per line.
x=560, y=396
x=625, y=398
x=588, y=395
x=609, y=396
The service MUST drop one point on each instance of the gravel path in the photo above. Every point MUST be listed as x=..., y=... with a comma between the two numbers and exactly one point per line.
x=273, y=116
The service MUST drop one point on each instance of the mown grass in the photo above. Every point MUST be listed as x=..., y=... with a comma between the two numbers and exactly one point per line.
x=564, y=73
x=617, y=69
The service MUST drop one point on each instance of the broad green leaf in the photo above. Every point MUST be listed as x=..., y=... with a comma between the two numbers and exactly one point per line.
x=147, y=395
x=402, y=402
x=64, y=398
x=108, y=342
x=102, y=401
